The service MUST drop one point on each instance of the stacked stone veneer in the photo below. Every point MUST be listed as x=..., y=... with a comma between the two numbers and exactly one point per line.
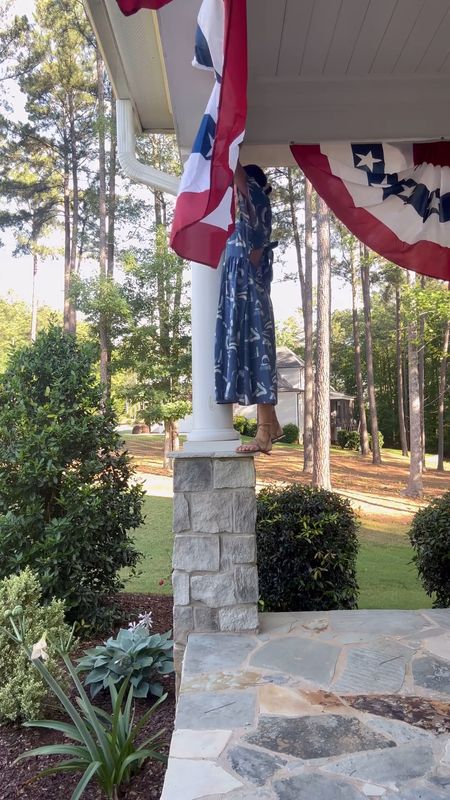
x=215, y=578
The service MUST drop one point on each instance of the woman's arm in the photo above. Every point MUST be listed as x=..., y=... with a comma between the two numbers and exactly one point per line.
x=240, y=179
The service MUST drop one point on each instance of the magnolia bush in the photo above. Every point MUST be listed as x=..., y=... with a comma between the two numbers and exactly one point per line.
x=67, y=501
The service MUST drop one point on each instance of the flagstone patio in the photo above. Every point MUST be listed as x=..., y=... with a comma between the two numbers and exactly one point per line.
x=339, y=705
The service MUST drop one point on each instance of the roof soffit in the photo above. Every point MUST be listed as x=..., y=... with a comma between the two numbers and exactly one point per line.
x=318, y=70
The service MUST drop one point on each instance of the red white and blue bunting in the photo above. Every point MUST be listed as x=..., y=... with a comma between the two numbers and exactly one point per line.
x=204, y=212
x=395, y=197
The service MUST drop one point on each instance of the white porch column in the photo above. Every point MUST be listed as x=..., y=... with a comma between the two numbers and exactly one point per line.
x=213, y=424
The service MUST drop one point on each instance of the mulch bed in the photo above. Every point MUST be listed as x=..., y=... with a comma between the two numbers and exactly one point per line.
x=15, y=781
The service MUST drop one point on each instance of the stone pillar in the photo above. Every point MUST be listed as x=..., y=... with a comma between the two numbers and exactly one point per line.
x=215, y=578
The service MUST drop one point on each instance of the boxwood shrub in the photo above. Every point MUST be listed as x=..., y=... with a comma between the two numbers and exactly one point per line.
x=380, y=440
x=239, y=424
x=290, y=433
x=250, y=428
x=307, y=548
x=23, y=693
x=348, y=440
x=430, y=538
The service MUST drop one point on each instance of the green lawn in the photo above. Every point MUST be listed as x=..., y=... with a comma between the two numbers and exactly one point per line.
x=386, y=576
x=154, y=540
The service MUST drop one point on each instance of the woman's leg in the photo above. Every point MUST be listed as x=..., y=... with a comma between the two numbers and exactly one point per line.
x=276, y=430
x=262, y=443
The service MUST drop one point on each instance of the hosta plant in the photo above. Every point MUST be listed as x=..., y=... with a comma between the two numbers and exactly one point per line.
x=135, y=654
x=100, y=745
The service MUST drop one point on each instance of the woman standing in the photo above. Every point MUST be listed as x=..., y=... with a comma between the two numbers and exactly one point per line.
x=245, y=351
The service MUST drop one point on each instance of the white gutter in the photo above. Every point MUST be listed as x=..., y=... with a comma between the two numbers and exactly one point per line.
x=126, y=152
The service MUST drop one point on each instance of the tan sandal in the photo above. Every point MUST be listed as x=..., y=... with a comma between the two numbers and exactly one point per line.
x=254, y=446
x=279, y=435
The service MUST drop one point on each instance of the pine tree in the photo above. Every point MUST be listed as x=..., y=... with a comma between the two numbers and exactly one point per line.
x=321, y=469
x=57, y=75
x=365, y=281
x=414, y=487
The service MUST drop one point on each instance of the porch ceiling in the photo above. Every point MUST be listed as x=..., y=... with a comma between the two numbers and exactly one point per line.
x=319, y=70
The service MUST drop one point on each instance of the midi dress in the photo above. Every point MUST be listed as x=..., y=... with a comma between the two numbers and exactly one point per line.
x=245, y=352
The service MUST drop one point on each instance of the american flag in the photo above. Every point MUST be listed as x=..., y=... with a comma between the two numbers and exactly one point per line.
x=204, y=212
x=395, y=197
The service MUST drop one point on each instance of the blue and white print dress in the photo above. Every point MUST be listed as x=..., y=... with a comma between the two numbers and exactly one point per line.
x=245, y=356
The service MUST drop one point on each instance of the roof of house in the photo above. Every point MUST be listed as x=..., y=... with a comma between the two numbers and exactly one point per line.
x=286, y=359
x=285, y=386
x=334, y=395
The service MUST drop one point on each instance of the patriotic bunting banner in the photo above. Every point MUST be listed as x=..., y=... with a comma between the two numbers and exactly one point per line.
x=204, y=213
x=395, y=197
x=129, y=7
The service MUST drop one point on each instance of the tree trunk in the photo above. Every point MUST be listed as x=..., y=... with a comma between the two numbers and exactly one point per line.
x=308, y=411
x=175, y=436
x=363, y=435
x=170, y=440
x=421, y=364
x=406, y=393
x=112, y=191
x=414, y=487
x=441, y=397
x=112, y=204
x=296, y=234
x=321, y=468
x=401, y=408
x=164, y=333
x=365, y=281
x=66, y=236
x=75, y=207
x=102, y=258
x=33, y=329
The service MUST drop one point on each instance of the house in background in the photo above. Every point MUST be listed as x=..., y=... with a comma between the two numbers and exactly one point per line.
x=291, y=391
x=341, y=413
x=291, y=386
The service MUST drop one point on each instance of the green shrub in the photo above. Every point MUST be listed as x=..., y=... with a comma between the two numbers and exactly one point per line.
x=380, y=440
x=290, y=433
x=342, y=438
x=66, y=502
x=239, y=424
x=251, y=427
x=307, y=547
x=22, y=691
x=135, y=654
x=348, y=440
x=430, y=538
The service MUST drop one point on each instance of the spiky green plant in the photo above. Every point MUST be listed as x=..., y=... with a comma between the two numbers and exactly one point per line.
x=103, y=745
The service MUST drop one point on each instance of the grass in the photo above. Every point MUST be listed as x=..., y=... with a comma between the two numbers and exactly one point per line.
x=386, y=576
x=154, y=540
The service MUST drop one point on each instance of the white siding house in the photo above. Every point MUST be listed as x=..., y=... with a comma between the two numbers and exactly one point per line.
x=291, y=385
x=291, y=389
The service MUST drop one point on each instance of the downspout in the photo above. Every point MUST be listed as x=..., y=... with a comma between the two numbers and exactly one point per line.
x=126, y=153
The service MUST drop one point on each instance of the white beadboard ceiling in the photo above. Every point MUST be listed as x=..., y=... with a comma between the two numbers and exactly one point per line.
x=318, y=70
